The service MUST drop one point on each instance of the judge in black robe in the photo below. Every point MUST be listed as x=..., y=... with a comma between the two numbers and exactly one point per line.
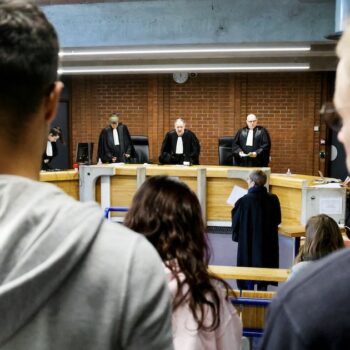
x=258, y=153
x=255, y=220
x=108, y=152
x=191, y=146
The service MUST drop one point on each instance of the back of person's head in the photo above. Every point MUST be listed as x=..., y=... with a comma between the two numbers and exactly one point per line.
x=258, y=177
x=323, y=237
x=28, y=61
x=169, y=214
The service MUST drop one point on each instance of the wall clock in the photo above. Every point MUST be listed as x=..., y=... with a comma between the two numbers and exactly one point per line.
x=180, y=77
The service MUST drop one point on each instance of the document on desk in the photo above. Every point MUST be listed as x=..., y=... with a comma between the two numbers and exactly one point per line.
x=236, y=193
x=331, y=205
x=328, y=185
x=113, y=165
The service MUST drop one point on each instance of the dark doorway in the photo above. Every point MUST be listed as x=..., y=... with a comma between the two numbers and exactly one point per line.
x=337, y=165
x=62, y=160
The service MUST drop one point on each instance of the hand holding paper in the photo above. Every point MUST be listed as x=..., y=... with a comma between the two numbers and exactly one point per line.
x=242, y=154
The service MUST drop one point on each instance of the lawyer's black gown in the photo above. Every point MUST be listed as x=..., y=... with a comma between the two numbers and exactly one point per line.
x=255, y=220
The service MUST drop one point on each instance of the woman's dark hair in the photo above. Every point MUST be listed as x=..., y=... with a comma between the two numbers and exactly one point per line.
x=322, y=238
x=168, y=213
x=57, y=131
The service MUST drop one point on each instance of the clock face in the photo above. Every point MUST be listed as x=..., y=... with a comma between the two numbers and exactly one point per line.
x=180, y=77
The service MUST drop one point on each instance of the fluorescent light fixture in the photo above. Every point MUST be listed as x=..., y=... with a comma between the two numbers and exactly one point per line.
x=187, y=68
x=180, y=50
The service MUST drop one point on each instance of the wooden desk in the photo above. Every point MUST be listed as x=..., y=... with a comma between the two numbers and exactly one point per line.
x=300, y=199
x=250, y=273
x=67, y=180
x=123, y=184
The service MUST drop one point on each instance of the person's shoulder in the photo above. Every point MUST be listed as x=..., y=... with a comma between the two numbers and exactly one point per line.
x=272, y=195
x=122, y=246
x=106, y=129
x=313, y=287
x=244, y=200
x=170, y=133
x=188, y=131
x=261, y=128
x=300, y=266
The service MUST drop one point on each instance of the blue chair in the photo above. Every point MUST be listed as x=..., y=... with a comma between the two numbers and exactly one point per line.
x=252, y=312
x=109, y=209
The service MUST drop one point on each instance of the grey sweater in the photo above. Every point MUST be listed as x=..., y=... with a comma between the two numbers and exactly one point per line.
x=71, y=280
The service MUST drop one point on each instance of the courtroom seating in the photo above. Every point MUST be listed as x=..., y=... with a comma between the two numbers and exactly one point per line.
x=225, y=150
x=252, y=308
x=141, y=148
x=108, y=210
x=84, y=153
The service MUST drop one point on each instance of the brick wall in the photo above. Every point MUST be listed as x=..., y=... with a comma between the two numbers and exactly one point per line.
x=212, y=105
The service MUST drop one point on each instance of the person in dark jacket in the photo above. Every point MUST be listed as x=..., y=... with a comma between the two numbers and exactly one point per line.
x=115, y=143
x=251, y=145
x=312, y=311
x=255, y=220
x=51, y=151
x=180, y=145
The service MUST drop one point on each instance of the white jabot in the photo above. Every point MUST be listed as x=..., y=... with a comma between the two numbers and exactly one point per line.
x=250, y=138
x=179, y=146
x=49, y=151
x=115, y=137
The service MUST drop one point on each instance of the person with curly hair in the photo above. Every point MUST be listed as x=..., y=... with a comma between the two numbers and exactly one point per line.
x=168, y=213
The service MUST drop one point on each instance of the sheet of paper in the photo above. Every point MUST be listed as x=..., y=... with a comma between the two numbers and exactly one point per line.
x=112, y=165
x=331, y=205
x=328, y=185
x=236, y=193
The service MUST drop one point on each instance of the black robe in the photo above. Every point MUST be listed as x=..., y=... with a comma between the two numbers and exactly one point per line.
x=255, y=220
x=47, y=166
x=191, y=148
x=261, y=145
x=107, y=150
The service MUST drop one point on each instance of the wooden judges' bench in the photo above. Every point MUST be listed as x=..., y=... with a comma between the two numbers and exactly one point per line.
x=114, y=186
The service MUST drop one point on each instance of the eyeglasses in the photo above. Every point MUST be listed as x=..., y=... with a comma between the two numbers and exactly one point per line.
x=331, y=116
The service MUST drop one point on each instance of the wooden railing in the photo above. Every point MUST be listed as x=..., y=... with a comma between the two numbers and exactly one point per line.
x=250, y=273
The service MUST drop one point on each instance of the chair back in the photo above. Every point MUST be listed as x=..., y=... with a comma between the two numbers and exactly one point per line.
x=225, y=150
x=83, y=154
x=141, y=146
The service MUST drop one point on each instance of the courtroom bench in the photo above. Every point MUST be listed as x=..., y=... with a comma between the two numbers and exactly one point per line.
x=250, y=273
x=251, y=305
